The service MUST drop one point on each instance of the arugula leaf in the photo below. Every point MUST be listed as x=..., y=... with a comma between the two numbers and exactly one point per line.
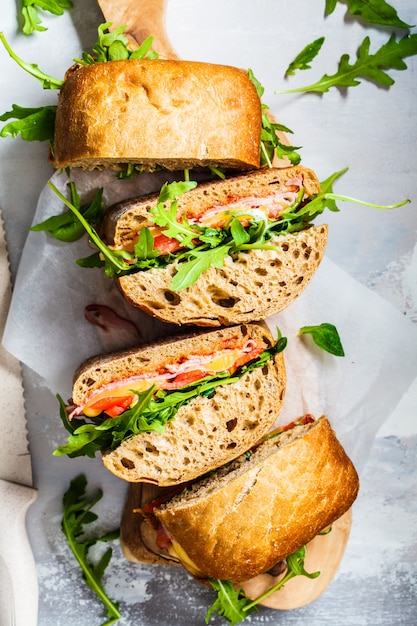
x=66, y=226
x=188, y=273
x=33, y=124
x=113, y=46
x=307, y=54
x=235, y=606
x=47, y=81
x=372, y=11
x=326, y=337
x=77, y=513
x=230, y=602
x=270, y=143
x=152, y=412
x=295, y=567
x=367, y=66
x=29, y=11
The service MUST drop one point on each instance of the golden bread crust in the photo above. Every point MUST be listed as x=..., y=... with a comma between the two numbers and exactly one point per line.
x=176, y=114
x=260, y=511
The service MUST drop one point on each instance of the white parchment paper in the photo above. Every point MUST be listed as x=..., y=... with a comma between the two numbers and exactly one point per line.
x=47, y=331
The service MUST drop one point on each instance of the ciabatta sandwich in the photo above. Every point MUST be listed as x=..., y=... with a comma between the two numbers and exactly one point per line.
x=241, y=523
x=172, y=411
x=221, y=253
x=157, y=113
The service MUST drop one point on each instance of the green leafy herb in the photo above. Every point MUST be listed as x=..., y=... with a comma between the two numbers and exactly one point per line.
x=33, y=124
x=295, y=567
x=152, y=412
x=47, y=81
x=66, y=226
x=372, y=11
x=78, y=513
x=326, y=337
x=271, y=145
x=304, y=58
x=235, y=606
x=230, y=602
x=30, y=12
x=368, y=66
x=113, y=46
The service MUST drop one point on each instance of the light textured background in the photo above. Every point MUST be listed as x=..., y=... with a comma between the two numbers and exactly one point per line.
x=371, y=130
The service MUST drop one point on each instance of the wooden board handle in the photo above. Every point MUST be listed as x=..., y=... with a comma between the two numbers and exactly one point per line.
x=142, y=18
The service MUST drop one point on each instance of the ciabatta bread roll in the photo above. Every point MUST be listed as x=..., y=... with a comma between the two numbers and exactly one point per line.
x=242, y=520
x=251, y=284
x=215, y=425
x=157, y=113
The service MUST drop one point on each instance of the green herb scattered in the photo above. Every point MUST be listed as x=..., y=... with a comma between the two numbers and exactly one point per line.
x=235, y=606
x=326, y=337
x=113, y=46
x=372, y=11
x=30, y=12
x=48, y=82
x=77, y=513
x=33, y=124
x=152, y=412
x=230, y=602
x=303, y=59
x=367, y=66
x=66, y=226
x=271, y=145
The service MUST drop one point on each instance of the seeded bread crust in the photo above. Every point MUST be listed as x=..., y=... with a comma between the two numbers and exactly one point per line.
x=205, y=433
x=244, y=519
x=170, y=113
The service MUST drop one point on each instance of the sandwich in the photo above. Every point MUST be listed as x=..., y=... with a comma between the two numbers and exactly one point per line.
x=157, y=113
x=169, y=412
x=217, y=253
x=242, y=522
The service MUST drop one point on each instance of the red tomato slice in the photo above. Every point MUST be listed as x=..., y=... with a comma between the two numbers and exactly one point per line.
x=245, y=358
x=165, y=244
x=181, y=380
x=113, y=406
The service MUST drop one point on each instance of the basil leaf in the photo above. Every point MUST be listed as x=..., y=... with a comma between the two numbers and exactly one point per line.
x=326, y=337
x=307, y=54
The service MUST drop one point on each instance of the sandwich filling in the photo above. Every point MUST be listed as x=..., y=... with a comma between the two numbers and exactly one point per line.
x=115, y=397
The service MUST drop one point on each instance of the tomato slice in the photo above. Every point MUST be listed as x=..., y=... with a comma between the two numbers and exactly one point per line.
x=165, y=244
x=185, y=378
x=113, y=406
x=245, y=358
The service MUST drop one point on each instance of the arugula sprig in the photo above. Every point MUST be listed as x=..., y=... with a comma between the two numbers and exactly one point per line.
x=114, y=46
x=372, y=11
x=66, y=226
x=368, y=66
x=235, y=606
x=77, y=513
x=153, y=410
x=47, y=81
x=33, y=123
x=305, y=57
x=30, y=12
x=271, y=145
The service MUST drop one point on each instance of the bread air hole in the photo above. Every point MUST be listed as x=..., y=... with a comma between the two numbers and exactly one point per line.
x=172, y=298
x=222, y=298
x=231, y=424
x=127, y=463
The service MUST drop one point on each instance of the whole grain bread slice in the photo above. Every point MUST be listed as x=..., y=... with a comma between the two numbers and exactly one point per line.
x=206, y=432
